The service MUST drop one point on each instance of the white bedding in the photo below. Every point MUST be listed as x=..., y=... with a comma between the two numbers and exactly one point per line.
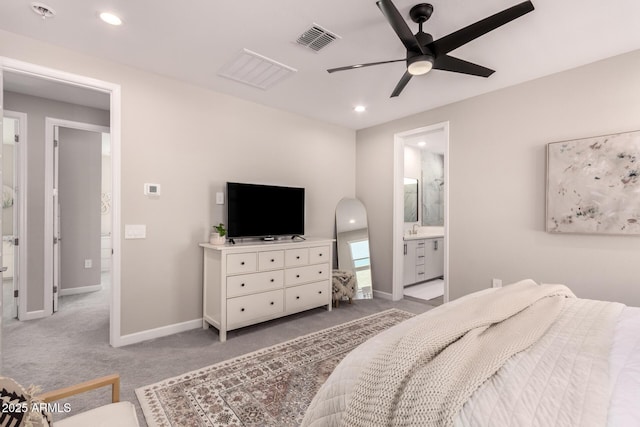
x=560, y=391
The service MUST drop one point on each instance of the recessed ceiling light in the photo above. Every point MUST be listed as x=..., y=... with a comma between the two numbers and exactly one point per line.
x=110, y=18
x=359, y=108
x=422, y=144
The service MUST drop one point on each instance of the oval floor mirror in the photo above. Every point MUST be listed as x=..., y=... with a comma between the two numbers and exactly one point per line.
x=353, y=248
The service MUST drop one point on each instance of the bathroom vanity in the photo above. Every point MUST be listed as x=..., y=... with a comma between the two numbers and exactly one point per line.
x=423, y=256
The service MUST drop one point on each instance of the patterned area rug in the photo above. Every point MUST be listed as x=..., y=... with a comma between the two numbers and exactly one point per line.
x=270, y=387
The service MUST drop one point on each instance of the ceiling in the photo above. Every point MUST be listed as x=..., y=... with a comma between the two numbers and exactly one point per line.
x=191, y=40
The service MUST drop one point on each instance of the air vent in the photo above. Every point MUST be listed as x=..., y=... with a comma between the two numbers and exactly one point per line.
x=317, y=38
x=256, y=70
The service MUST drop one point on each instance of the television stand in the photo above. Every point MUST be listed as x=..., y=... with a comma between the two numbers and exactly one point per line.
x=255, y=282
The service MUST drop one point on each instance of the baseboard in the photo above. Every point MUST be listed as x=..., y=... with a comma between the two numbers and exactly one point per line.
x=80, y=290
x=382, y=295
x=162, y=331
x=32, y=315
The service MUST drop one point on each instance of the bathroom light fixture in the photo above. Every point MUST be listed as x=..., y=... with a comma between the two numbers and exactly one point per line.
x=110, y=18
x=359, y=108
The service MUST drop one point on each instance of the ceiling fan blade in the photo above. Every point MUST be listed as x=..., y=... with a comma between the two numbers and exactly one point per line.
x=401, y=84
x=449, y=63
x=353, y=67
x=463, y=36
x=399, y=25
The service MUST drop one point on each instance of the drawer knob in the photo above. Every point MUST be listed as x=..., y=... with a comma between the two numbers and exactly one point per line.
x=242, y=263
x=272, y=280
x=319, y=292
x=320, y=272
x=242, y=285
x=242, y=309
x=273, y=260
x=272, y=303
x=298, y=257
x=297, y=297
x=320, y=254
x=297, y=276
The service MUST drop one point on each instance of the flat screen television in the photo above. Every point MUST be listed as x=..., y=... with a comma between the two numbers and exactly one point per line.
x=264, y=211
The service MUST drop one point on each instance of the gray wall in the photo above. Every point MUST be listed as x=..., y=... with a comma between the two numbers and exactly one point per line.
x=497, y=182
x=79, y=183
x=191, y=141
x=37, y=109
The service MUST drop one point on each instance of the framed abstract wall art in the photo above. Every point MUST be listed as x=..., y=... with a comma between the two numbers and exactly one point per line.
x=593, y=185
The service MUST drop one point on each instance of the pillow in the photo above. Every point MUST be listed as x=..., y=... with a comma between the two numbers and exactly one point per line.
x=19, y=407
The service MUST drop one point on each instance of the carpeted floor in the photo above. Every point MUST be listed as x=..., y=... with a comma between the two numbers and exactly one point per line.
x=72, y=346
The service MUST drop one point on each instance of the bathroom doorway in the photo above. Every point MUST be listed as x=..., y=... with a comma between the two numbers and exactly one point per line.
x=13, y=221
x=420, y=226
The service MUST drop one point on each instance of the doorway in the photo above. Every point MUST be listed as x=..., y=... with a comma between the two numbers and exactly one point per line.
x=40, y=297
x=80, y=157
x=14, y=139
x=408, y=234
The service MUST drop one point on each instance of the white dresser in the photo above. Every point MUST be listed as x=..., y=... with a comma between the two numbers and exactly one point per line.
x=246, y=284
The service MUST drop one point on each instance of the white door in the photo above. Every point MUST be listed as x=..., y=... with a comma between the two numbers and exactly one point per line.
x=12, y=147
x=56, y=220
x=3, y=268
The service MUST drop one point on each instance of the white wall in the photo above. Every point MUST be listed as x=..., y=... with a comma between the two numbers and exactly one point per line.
x=497, y=182
x=191, y=141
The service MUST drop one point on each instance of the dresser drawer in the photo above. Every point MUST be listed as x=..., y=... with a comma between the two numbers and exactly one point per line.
x=256, y=282
x=310, y=295
x=244, y=310
x=309, y=273
x=242, y=263
x=295, y=257
x=270, y=260
x=319, y=254
x=420, y=255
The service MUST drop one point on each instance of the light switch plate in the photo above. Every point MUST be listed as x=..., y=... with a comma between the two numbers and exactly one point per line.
x=135, y=231
x=219, y=198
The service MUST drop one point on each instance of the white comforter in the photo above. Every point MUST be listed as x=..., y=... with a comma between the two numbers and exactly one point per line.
x=547, y=385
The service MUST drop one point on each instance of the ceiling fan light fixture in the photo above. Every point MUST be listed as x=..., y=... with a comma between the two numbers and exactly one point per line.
x=419, y=65
x=110, y=18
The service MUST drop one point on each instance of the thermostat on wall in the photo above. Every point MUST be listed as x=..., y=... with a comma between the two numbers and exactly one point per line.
x=152, y=189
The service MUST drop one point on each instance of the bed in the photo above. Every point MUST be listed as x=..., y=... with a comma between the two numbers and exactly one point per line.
x=522, y=355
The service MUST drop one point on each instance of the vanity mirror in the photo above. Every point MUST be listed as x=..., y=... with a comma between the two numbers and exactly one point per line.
x=353, y=244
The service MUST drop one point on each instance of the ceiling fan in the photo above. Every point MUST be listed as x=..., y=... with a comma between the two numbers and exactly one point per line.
x=424, y=54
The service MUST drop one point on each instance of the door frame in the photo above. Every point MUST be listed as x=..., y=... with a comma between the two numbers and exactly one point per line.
x=20, y=174
x=51, y=252
x=115, y=110
x=398, y=206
